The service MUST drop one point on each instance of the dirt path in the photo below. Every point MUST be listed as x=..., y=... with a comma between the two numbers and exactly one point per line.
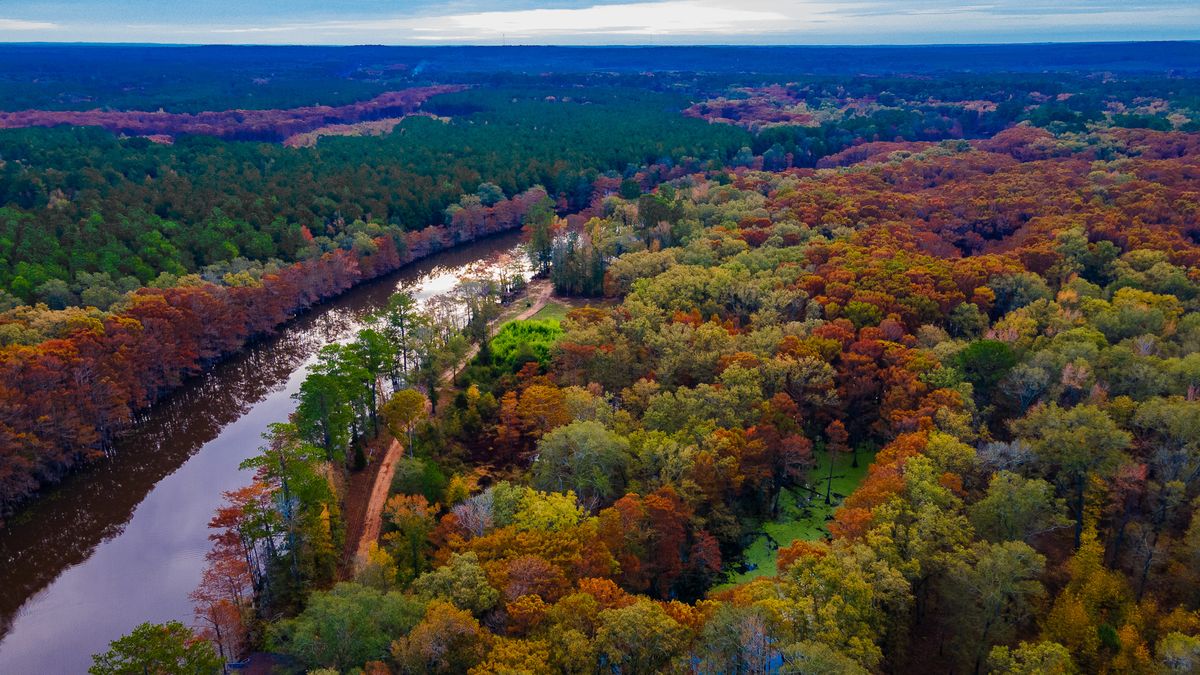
x=373, y=517
x=543, y=290
x=539, y=292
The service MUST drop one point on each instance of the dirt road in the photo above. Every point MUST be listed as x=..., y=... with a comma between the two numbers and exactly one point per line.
x=373, y=518
x=539, y=292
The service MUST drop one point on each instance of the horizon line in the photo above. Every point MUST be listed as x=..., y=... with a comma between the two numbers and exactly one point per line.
x=615, y=45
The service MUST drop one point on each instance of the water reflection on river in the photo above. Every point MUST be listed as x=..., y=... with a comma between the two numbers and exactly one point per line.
x=124, y=541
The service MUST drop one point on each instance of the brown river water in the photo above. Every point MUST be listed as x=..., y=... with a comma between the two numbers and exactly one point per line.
x=123, y=541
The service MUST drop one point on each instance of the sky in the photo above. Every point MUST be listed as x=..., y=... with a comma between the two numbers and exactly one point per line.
x=585, y=22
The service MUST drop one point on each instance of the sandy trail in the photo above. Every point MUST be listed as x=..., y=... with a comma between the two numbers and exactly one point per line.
x=373, y=519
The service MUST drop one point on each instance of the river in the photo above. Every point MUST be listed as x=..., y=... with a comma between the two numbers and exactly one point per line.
x=123, y=541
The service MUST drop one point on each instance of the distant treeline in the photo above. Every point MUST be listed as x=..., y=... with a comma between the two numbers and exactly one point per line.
x=193, y=79
x=79, y=200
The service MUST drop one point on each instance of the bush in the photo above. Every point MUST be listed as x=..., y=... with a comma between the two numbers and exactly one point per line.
x=520, y=342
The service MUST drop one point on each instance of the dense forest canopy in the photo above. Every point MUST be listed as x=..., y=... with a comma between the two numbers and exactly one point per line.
x=856, y=361
x=84, y=201
x=1004, y=330
x=84, y=209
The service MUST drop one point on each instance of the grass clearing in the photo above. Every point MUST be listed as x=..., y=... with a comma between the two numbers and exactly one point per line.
x=552, y=310
x=803, y=515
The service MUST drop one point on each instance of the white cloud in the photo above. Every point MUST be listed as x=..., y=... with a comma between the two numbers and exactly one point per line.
x=672, y=17
x=18, y=24
x=685, y=22
x=730, y=21
x=687, y=17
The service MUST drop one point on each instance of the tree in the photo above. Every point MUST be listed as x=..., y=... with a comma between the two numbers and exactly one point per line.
x=489, y=194
x=461, y=582
x=508, y=427
x=985, y=363
x=993, y=598
x=1171, y=430
x=539, y=226
x=1088, y=613
x=222, y=601
x=1016, y=508
x=1031, y=658
x=818, y=658
x=737, y=640
x=639, y=638
x=515, y=656
x=447, y=640
x=288, y=465
x=542, y=408
x=547, y=511
x=1179, y=653
x=410, y=520
x=584, y=457
x=372, y=355
x=842, y=598
x=402, y=412
x=1072, y=444
x=345, y=627
x=323, y=413
x=401, y=322
x=377, y=569
x=158, y=649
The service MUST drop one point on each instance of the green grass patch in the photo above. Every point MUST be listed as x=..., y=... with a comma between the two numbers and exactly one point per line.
x=552, y=311
x=803, y=514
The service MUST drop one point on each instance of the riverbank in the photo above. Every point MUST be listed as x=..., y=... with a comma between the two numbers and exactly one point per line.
x=72, y=397
x=124, y=541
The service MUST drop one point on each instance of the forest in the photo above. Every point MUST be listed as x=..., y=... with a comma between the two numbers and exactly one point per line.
x=894, y=372
x=1004, y=331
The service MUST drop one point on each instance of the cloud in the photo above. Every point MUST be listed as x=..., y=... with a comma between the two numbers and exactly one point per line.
x=18, y=24
x=740, y=21
x=686, y=17
x=672, y=17
x=659, y=22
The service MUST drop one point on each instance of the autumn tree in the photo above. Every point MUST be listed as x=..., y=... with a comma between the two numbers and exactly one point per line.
x=401, y=413
x=639, y=638
x=410, y=521
x=447, y=640
x=541, y=408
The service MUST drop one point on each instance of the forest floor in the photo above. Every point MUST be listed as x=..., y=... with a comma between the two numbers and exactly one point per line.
x=803, y=514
